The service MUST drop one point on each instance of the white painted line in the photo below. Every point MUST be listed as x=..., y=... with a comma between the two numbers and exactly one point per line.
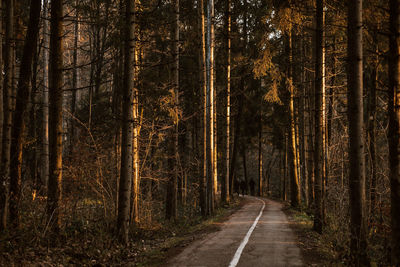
x=239, y=251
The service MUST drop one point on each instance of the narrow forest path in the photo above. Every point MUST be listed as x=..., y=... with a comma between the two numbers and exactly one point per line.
x=253, y=236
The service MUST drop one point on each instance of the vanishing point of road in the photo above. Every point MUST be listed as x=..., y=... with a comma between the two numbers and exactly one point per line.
x=256, y=235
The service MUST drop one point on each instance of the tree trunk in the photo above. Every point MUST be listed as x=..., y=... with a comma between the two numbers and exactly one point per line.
x=358, y=243
x=293, y=155
x=136, y=126
x=56, y=115
x=1, y=107
x=319, y=114
x=74, y=83
x=45, y=104
x=127, y=125
x=210, y=104
x=394, y=127
x=203, y=89
x=372, y=130
x=7, y=109
x=23, y=96
x=225, y=181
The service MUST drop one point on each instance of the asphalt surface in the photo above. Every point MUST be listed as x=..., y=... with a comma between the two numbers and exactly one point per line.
x=270, y=243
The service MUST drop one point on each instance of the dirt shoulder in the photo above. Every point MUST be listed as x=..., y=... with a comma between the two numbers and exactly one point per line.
x=314, y=251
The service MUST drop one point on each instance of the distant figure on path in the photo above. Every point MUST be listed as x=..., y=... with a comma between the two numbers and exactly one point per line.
x=252, y=187
x=243, y=187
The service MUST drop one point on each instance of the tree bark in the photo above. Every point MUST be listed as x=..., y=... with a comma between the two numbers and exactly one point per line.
x=75, y=79
x=358, y=243
x=225, y=181
x=125, y=183
x=203, y=89
x=23, y=95
x=295, y=197
x=319, y=120
x=7, y=110
x=210, y=99
x=394, y=127
x=45, y=104
x=56, y=114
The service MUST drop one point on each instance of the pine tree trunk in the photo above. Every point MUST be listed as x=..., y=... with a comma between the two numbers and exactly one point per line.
x=372, y=131
x=319, y=114
x=55, y=115
x=203, y=89
x=74, y=83
x=1, y=98
x=210, y=105
x=125, y=183
x=225, y=180
x=23, y=95
x=394, y=127
x=358, y=243
x=7, y=110
x=44, y=167
x=293, y=152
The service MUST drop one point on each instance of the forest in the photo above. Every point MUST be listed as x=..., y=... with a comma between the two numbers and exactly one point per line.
x=128, y=125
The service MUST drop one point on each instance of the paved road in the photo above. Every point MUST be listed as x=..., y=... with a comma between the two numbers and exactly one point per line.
x=271, y=243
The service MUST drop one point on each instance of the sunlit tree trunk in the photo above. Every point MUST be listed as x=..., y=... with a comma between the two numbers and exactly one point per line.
x=203, y=89
x=7, y=110
x=18, y=126
x=210, y=105
x=125, y=183
x=294, y=170
x=304, y=133
x=394, y=127
x=136, y=126
x=55, y=115
x=356, y=141
x=225, y=180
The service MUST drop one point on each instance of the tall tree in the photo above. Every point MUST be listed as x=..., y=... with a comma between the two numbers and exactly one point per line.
x=394, y=127
x=225, y=180
x=56, y=114
x=295, y=197
x=127, y=125
x=203, y=89
x=7, y=110
x=356, y=141
x=210, y=106
x=319, y=114
x=23, y=95
x=44, y=168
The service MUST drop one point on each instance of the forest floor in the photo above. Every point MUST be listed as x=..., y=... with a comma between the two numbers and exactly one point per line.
x=314, y=249
x=95, y=245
